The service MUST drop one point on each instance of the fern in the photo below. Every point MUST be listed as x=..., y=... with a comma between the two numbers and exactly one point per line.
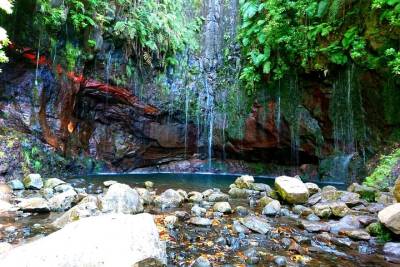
x=335, y=9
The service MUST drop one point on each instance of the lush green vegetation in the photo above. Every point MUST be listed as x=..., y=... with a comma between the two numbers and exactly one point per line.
x=279, y=36
x=383, y=177
x=151, y=31
x=5, y=6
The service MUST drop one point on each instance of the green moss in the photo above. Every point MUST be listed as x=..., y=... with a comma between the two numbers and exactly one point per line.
x=382, y=175
x=380, y=231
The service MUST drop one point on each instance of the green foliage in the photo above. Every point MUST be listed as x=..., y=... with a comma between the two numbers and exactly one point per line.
x=6, y=6
x=310, y=35
x=382, y=176
x=380, y=231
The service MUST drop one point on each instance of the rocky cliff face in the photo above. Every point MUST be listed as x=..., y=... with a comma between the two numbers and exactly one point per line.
x=196, y=108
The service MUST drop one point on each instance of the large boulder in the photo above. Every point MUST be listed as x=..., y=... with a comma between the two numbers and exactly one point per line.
x=169, y=199
x=107, y=240
x=291, y=189
x=33, y=181
x=390, y=217
x=121, y=198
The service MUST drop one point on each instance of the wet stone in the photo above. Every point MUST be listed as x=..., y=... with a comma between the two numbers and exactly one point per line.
x=257, y=224
x=200, y=221
x=313, y=218
x=280, y=261
x=273, y=208
x=198, y=211
x=392, y=252
x=356, y=234
x=315, y=226
x=302, y=210
x=242, y=211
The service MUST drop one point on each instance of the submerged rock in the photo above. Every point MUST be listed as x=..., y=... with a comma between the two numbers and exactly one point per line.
x=33, y=181
x=390, y=217
x=200, y=221
x=108, y=240
x=257, y=224
x=169, y=199
x=121, y=198
x=392, y=252
x=291, y=189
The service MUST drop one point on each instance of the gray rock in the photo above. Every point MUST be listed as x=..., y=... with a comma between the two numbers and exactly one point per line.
x=390, y=217
x=198, y=211
x=108, y=240
x=314, y=199
x=201, y=262
x=218, y=197
x=223, y=207
x=242, y=211
x=260, y=187
x=195, y=197
x=322, y=210
x=280, y=261
x=182, y=193
x=63, y=188
x=16, y=184
x=33, y=181
x=239, y=193
x=244, y=181
x=315, y=226
x=302, y=210
x=312, y=188
x=356, y=234
x=391, y=251
x=170, y=221
x=348, y=222
x=35, y=204
x=169, y=199
x=182, y=215
x=273, y=208
x=47, y=193
x=88, y=207
x=53, y=182
x=239, y=228
x=291, y=189
x=145, y=195
x=339, y=209
x=63, y=201
x=120, y=198
x=257, y=224
x=200, y=221
x=312, y=218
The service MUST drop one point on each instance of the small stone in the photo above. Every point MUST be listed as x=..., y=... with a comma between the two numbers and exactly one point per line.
x=198, y=211
x=339, y=209
x=315, y=226
x=356, y=234
x=273, y=208
x=121, y=198
x=201, y=262
x=257, y=224
x=10, y=229
x=33, y=181
x=223, y=207
x=149, y=184
x=63, y=201
x=16, y=184
x=47, y=193
x=170, y=221
x=265, y=200
x=182, y=193
x=145, y=195
x=239, y=228
x=200, y=221
x=169, y=199
x=312, y=218
x=391, y=251
x=242, y=211
x=182, y=215
x=302, y=210
x=322, y=210
x=239, y=193
x=218, y=197
x=280, y=261
x=195, y=197
x=252, y=256
x=109, y=183
x=312, y=188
